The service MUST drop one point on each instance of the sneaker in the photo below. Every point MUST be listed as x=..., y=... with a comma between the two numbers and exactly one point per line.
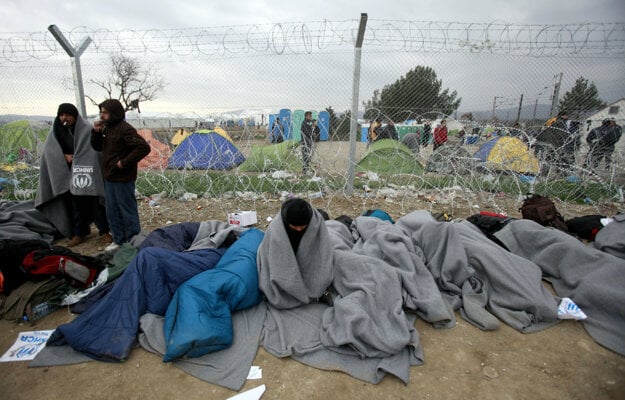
x=106, y=238
x=75, y=241
x=112, y=247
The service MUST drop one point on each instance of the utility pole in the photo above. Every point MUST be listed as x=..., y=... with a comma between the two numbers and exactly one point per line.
x=494, y=105
x=74, y=54
x=556, y=95
x=518, y=114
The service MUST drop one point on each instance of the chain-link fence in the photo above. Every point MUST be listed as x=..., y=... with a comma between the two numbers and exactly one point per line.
x=227, y=108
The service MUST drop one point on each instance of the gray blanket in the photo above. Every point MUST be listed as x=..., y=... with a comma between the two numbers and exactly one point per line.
x=56, y=178
x=228, y=367
x=481, y=277
x=290, y=280
x=19, y=220
x=611, y=239
x=593, y=279
x=295, y=333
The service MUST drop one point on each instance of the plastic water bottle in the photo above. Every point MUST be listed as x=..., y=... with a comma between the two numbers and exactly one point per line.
x=39, y=311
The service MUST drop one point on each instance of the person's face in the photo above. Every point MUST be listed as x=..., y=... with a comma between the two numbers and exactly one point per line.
x=105, y=115
x=308, y=117
x=298, y=228
x=67, y=119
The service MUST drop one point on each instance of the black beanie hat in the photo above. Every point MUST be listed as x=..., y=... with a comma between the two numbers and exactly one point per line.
x=296, y=212
x=69, y=109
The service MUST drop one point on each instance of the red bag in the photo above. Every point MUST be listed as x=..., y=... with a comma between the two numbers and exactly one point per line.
x=57, y=260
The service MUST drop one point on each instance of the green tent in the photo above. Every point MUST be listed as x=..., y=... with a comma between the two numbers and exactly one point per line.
x=18, y=136
x=388, y=156
x=273, y=157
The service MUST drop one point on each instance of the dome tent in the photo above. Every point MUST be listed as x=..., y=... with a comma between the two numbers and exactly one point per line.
x=507, y=153
x=206, y=150
x=388, y=156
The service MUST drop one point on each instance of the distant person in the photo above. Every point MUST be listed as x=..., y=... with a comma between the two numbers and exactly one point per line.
x=375, y=127
x=70, y=192
x=515, y=131
x=307, y=141
x=412, y=141
x=602, y=141
x=388, y=131
x=427, y=133
x=277, y=132
x=440, y=135
x=556, y=143
x=316, y=131
x=122, y=148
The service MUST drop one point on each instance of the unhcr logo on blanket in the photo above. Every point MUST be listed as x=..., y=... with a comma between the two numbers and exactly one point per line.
x=82, y=176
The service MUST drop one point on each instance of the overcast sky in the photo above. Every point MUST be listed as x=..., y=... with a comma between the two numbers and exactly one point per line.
x=36, y=15
x=115, y=15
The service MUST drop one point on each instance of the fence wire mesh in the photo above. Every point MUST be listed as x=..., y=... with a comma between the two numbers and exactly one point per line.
x=217, y=94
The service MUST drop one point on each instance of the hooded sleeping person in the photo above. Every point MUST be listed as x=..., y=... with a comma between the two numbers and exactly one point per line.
x=295, y=257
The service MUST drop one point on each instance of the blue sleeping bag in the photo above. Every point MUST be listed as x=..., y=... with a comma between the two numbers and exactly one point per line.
x=107, y=330
x=199, y=317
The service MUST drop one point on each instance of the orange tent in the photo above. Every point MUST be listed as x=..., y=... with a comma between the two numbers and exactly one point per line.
x=159, y=155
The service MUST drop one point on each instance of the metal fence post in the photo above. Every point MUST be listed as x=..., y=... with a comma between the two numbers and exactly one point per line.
x=74, y=54
x=353, y=123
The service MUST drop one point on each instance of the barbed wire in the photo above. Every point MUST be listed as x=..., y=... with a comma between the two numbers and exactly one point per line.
x=581, y=39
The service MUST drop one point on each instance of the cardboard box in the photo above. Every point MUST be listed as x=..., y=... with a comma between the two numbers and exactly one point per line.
x=242, y=218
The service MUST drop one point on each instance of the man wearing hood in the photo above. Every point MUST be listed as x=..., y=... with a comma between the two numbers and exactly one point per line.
x=122, y=148
x=71, y=189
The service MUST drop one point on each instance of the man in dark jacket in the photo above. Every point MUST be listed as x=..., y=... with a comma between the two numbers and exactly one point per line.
x=307, y=140
x=558, y=142
x=122, y=148
x=602, y=141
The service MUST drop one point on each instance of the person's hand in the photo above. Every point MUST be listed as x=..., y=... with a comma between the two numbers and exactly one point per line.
x=69, y=158
x=98, y=125
x=119, y=164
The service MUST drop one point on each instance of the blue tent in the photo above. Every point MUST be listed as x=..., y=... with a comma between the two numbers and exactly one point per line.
x=206, y=150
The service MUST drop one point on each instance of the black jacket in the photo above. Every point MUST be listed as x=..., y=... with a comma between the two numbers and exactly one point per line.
x=119, y=141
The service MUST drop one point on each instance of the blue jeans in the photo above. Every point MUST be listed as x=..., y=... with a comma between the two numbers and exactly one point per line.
x=121, y=210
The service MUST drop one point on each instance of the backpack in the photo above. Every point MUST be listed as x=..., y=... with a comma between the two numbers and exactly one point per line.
x=542, y=210
x=78, y=269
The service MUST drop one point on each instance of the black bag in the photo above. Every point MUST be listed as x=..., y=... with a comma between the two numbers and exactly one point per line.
x=585, y=227
x=542, y=210
x=489, y=225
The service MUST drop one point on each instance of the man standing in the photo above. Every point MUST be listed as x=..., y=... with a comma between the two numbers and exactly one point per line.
x=557, y=143
x=122, y=148
x=277, y=135
x=602, y=141
x=307, y=140
x=71, y=188
x=440, y=135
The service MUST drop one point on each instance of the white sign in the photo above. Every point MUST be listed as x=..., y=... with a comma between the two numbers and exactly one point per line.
x=27, y=346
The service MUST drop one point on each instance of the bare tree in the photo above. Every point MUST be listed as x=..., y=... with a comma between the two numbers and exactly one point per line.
x=130, y=82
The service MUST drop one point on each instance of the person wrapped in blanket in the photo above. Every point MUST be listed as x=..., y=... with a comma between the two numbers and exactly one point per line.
x=295, y=259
